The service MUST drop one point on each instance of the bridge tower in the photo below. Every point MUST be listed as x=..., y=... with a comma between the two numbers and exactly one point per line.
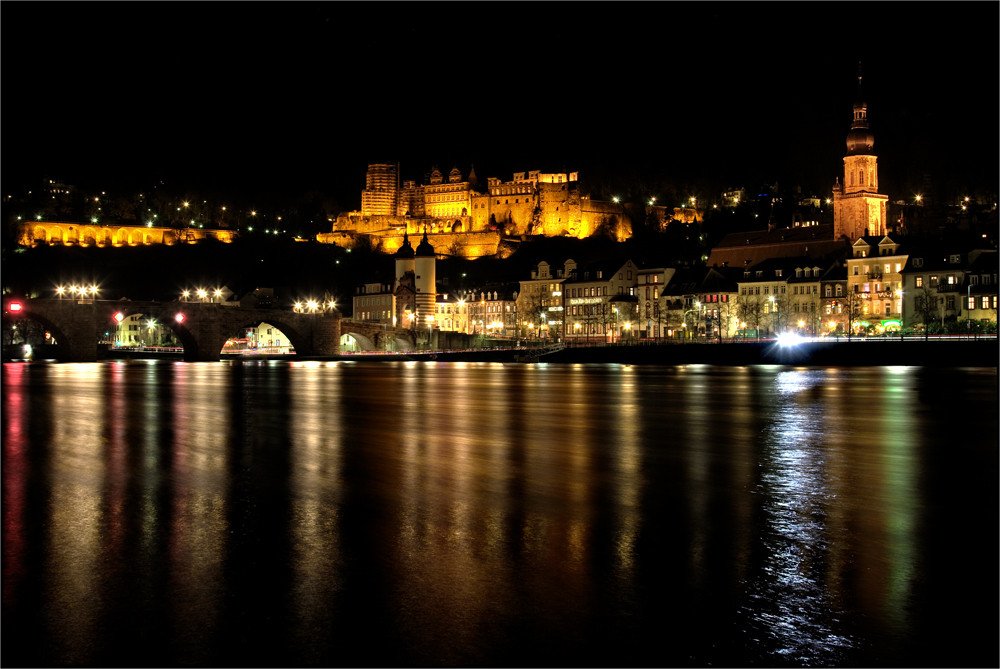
x=425, y=279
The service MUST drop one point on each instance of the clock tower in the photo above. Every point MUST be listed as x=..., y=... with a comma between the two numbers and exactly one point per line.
x=858, y=208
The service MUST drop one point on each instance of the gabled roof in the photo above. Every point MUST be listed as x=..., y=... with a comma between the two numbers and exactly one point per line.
x=587, y=273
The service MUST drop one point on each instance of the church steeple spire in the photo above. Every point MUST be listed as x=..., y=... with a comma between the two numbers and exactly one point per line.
x=858, y=208
x=860, y=140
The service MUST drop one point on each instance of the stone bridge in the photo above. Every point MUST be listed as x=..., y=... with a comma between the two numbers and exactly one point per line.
x=379, y=336
x=202, y=328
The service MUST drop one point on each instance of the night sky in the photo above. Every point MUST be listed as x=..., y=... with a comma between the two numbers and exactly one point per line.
x=284, y=98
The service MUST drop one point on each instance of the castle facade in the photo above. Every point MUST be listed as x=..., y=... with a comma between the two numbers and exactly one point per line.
x=463, y=220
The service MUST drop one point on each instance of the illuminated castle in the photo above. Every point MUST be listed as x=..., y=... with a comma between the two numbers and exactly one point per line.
x=461, y=220
x=858, y=208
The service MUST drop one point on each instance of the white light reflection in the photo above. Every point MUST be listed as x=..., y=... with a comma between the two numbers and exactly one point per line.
x=791, y=605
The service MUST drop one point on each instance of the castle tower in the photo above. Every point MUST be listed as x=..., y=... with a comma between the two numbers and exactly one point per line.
x=425, y=280
x=381, y=194
x=858, y=208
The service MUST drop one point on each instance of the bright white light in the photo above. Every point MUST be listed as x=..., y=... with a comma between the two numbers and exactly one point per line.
x=789, y=339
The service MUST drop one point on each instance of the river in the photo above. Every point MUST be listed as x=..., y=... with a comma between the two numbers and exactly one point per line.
x=161, y=513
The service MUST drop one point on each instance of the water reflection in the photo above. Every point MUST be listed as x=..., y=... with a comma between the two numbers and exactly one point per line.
x=459, y=514
x=789, y=597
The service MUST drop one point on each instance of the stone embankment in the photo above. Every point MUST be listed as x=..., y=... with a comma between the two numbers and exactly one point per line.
x=924, y=353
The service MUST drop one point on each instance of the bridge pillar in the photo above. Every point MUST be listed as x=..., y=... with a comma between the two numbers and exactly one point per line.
x=209, y=339
x=82, y=320
x=326, y=335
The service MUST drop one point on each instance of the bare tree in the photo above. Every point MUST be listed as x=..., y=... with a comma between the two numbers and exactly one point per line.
x=750, y=310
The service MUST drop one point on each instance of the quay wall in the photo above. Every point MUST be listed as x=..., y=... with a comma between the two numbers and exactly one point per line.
x=931, y=353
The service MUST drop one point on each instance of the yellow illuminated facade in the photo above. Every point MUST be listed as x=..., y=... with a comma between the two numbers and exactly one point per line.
x=875, y=281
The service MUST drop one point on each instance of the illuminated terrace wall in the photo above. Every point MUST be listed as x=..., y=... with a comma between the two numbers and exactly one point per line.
x=76, y=234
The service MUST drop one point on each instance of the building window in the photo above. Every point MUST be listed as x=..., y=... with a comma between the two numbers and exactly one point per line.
x=919, y=281
x=855, y=270
x=972, y=303
x=985, y=302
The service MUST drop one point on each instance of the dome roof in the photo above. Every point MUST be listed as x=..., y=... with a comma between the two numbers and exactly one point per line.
x=425, y=248
x=860, y=139
x=405, y=251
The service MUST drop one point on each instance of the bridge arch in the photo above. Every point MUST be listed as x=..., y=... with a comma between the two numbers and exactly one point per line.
x=373, y=337
x=61, y=349
x=298, y=341
x=364, y=343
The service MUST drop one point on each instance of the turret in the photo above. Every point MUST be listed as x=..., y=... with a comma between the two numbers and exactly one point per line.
x=404, y=259
x=425, y=276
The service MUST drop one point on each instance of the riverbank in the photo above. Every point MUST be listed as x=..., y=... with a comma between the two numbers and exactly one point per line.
x=934, y=352
x=840, y=353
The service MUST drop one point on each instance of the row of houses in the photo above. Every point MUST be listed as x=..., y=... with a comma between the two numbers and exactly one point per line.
x=878, y=285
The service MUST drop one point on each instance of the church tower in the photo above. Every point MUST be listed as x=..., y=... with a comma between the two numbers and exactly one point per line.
x=858, y=208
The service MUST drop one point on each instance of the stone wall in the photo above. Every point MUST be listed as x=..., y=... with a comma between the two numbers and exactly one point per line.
x=77, y=234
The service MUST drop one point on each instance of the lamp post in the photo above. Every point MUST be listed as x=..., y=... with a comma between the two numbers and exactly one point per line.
x=968, y=308
x=774, y=310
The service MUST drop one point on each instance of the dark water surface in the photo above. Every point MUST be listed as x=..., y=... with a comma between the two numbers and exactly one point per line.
x=398, y=514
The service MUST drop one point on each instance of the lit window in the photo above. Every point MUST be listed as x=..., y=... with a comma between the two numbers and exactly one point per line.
x=920, y=282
